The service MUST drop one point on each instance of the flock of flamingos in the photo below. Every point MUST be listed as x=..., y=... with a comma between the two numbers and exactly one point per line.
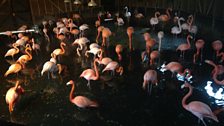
x=71, y=29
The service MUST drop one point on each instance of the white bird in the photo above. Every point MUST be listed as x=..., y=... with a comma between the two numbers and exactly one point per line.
x=50, y=67
x=112, y=66
x=105, y=61
x=120, y=21
x=94, y=45
x=154, y=20
x=81, y=42
x=127, y=14
x=82, y=28
x=177, y=30
x=94, y=51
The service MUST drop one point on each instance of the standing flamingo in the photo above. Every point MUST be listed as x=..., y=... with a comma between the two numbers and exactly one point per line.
x=153, y=56
x=119, y=50
x=113, y=65
x=197, y=108
x=81, y=42
x=199, y=44
x=99, y=30
x=80, y=101
x=15, y=68
x=217, y=46
x=27, y=57
x=174, y=67
x=127, y=14
x=98, y=22
x=13, y=95
x=82, y=28
x=154, y=20
x=51, y=67
x=177, y=30
x=192, y=28
x=130, y=31
x=35, y=46
x=185, y=46
x=13, y=51
x=60, y=51
x=149, y=76
x=106, y=33
x=90, y=74
x=165, y=17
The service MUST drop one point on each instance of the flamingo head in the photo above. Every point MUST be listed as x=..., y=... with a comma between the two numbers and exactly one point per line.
x=125, y=7
x=70, y=82
x=20, y=90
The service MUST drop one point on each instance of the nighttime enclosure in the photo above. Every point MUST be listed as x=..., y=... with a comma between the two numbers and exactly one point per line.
x=112, y=62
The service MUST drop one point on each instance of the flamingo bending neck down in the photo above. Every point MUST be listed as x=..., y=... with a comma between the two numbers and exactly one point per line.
x=12, y=95
x=90, y=74
x=185, y=46
x=81, y=42
x=149, y=76
x=197, y=108
x=80, y=101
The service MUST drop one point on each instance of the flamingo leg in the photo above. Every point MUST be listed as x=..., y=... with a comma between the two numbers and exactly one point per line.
x=88, y=84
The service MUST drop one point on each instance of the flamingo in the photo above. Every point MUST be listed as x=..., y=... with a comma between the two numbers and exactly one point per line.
x=60, y=51
x=177, y=30
x=13, y=51
x=149, y=76
x=20, y=42
x=82, y=28
x=153, y=56
x=130, y=31
x=99, y=30
x=127, y=14
x=27, y=57
x=149, y=44
x=165, y=17
x=185, y=46
x=185, y=26
x=13, y=95
x=94, y=51
x=174, y=67
x=199, y=44
x=217, y=71
x=15, y=68
x=197, y=108
x=51, y=67
x=35, y=46
x=81, y=42
x=80, y=101
x=104, y=61
x=154, y=20
x=120, y=21
x=93, y=45
x=98, y=22
x=160, y=36
x=90, y=74
x=217, y=46
x=119, y=50
x=106, y=33
x=192, y=28
x=113, y=65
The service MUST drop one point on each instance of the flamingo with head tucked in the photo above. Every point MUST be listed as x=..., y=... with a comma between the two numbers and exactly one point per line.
x=149, y=76
x=185, y=46
x=106, y=33
x=13, y=95
x=197, y=108
x=80, y=101
x=119, y=50
x=90, y=74
x=217, y=46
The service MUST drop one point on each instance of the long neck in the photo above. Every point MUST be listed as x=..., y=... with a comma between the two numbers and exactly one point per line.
x=96, y=70
x=179, y=25
x=71, y=93
x=62, y=47
x=186, y=97
x=188, y=40
x=17, y=84
x=16, y=48
x=98, y=34
x=168, y=13
x=28, y=53
x=156, y=14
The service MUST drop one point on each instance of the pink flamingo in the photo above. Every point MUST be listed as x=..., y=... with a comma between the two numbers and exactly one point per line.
x=90, y=74
x=99, y=30
x=185, y=46
x=199, y=44
x=12, y=95
x=113, y=65
x=27, y=57
x=118, y=50
x=80, y=101
x=130, y=31
x=217, y=46
x=149, y=76
x=174, y=67
x=216, y=72
x=153, y=56
x=106, y=33
x=165, y=17
x=197, y=108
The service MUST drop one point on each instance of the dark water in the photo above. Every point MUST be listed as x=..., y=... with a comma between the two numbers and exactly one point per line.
x=121, y=98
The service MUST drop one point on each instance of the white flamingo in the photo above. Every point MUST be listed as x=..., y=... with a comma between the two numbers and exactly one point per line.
x=94, y=51
x=112, y=66
x=127, y=14
x=154, y=20
x=82, y=28
x=81, y=42
x=177, y=30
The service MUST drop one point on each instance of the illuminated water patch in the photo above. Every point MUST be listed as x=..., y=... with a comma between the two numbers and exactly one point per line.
x=218, y=95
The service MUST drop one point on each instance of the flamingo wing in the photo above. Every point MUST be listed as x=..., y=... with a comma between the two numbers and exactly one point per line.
x=83, y=102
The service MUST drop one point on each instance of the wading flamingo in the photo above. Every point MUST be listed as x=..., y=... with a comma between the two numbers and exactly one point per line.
x=13, y=51
x=197, y=108
x=80, y=101
x=154, y=20
x=130, y=31
x=185, y=46
x=13, y=95
x=150, y=77
x=119, y=50
x=199, y=44
x=90, y=74
x=113, y=65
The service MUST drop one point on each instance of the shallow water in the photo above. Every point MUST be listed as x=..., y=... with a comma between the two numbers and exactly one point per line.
x=121, y=98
